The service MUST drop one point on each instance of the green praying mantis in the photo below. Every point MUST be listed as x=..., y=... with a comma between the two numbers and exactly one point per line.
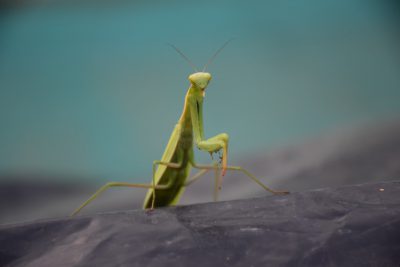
x=170, y=174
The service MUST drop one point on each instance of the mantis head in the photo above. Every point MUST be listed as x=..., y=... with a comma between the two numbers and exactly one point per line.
x=200, y=79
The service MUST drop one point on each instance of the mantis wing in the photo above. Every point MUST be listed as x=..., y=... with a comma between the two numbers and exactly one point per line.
x=169, y=153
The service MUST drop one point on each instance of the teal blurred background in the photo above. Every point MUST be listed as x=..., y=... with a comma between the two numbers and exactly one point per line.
x=90, y=91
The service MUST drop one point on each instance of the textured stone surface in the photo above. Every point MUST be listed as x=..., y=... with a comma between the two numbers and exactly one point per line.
x=347, y=226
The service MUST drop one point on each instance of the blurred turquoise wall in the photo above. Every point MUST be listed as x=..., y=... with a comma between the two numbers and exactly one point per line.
x=95, y=92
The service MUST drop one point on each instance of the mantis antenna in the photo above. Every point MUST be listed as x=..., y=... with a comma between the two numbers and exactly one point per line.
x=216, y=53
x=185, y=57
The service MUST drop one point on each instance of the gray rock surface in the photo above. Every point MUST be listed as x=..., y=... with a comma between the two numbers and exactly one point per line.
x=355, y=225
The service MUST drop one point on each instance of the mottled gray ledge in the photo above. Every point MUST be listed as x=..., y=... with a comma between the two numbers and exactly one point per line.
x=348, y=226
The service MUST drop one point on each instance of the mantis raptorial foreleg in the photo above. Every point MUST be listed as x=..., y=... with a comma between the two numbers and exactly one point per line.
x=217, y=143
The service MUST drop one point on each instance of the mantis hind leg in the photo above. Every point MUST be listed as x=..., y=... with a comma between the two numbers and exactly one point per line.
x=256, y=180
x=247, y=173
x=113, y=184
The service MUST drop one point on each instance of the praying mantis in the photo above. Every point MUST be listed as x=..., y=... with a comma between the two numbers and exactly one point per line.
x=170, y=174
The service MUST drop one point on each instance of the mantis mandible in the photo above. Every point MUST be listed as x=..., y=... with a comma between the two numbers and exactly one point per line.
x=170, y=174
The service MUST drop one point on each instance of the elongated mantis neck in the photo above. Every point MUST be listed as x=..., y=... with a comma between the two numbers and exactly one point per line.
x=194, y=96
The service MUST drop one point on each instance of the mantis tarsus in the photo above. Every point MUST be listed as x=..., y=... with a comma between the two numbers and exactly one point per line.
x=171, y=176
